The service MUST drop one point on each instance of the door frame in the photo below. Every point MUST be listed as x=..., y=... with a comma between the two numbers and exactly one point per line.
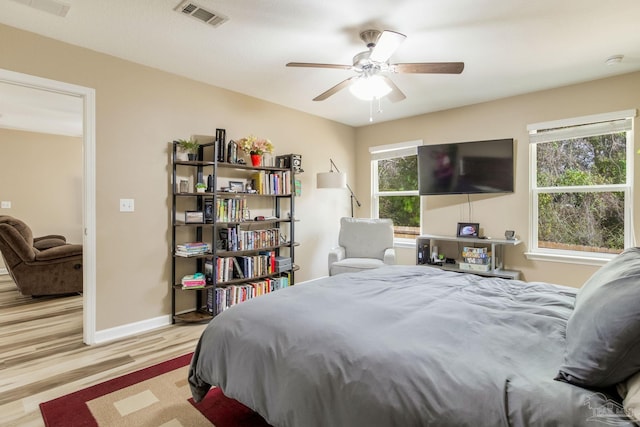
x=88, y=96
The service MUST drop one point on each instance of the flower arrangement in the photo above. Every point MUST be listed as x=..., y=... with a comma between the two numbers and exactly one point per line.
x=254, y=145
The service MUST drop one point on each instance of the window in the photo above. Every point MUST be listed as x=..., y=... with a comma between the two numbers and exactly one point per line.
x=394, y=180
x=581, y=192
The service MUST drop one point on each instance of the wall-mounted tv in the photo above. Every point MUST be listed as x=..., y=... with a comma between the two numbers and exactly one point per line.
x=466, y=167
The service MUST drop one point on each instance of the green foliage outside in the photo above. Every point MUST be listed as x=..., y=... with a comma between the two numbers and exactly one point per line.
x=591, y=219
x=399, y=174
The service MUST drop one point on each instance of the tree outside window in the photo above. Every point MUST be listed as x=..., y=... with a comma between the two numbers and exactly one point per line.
x=396, y=194
x=580, y=189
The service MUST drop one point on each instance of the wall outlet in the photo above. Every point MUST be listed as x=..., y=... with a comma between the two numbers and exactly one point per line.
x=126, y=205
x=5, y=205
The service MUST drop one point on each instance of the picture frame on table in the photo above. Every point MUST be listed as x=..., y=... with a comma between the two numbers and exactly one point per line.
x=468, y=229
x=236, y=186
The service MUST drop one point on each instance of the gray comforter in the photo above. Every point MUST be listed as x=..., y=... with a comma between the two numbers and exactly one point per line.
x=400, y=346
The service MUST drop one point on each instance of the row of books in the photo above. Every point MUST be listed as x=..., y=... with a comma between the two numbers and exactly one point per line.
x=241, y=267
x=272, y=182
x=473, y=255
x=241, y=240
x=193, y=249
x=475, y=259
x=230, y=210
x=221, y=299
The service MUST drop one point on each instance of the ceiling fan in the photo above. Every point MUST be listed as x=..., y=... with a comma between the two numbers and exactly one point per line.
x=373, y=64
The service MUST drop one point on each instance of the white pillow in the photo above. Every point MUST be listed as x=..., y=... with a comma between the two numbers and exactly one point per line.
x=629, y=390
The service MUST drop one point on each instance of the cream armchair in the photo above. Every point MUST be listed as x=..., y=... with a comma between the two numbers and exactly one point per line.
x=364, y=243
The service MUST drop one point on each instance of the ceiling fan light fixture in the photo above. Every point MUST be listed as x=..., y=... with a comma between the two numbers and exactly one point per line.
x=370, y=87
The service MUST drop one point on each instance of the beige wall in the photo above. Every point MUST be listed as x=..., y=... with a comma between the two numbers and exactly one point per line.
x=139, y=110
x=41, y=175
x=505, y=118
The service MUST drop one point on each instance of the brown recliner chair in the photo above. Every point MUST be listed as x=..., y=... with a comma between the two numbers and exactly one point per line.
x=46, y=265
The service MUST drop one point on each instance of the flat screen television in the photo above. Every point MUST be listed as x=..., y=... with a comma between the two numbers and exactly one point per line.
x=466, y=167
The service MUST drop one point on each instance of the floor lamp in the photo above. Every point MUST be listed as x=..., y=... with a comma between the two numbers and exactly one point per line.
x=336, y=179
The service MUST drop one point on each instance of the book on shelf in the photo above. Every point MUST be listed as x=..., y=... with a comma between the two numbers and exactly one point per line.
x=192, y=245
x=258, y=179
x=190, y=254
x=208, y=211
x=208, y=271
x=202, y=286
x=193, y=281
x=479, y=261
x=477, y=256
x=237, y=268
x=192, y=249
x=195, y=246
x=256, y=239
x=228, y=296
x=474, y=267
x=273, y=183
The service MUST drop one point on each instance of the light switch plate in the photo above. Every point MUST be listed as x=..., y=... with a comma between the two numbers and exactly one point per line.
x=126, y=205
x=5, y=205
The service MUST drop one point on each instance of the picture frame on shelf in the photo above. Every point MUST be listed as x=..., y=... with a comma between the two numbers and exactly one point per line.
x=193, y=217
x=468, y=229
x=208, y=211
x=223, y=239
x=236, y=186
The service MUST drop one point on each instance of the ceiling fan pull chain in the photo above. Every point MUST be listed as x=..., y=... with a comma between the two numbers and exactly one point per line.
x=371, y=110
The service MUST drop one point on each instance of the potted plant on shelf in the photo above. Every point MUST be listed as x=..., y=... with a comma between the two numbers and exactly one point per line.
x=189, y=146
x=255, y=147
x=201, y=187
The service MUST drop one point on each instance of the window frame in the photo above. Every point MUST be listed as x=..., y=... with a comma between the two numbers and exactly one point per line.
x=561, y=130
x=390, y=151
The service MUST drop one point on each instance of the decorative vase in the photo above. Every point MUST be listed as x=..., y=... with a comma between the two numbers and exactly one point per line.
x=192, y=157
x=256, y=159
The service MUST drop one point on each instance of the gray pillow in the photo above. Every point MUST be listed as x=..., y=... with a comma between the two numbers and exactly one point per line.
x=603, y=332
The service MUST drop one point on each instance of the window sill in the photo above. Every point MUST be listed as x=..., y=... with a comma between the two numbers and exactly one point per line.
x=404, y=243
x=569, y=258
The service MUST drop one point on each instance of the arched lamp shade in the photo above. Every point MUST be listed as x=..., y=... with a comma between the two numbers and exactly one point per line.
x=332, y=180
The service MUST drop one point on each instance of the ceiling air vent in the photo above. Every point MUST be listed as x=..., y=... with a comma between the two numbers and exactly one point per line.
x=201, y=14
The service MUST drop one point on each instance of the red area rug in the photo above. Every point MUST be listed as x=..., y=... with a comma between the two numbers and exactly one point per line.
x=158, y=394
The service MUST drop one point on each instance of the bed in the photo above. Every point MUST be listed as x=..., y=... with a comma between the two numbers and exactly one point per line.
x=419, y=346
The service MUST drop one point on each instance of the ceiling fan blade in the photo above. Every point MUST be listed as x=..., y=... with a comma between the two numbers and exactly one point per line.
x=396, y=94
x=312, y=65
x=343, y=84
x=388, y=42
x=429, y=67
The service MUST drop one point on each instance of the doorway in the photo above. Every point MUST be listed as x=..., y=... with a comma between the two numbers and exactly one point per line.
x=87, y=95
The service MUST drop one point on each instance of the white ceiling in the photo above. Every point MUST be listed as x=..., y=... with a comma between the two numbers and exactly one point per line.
x=35, y=110
x=509, y=47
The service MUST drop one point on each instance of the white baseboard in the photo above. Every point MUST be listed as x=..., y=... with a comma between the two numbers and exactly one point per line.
x=3, y=271
x=311, y=280
x=130, y=329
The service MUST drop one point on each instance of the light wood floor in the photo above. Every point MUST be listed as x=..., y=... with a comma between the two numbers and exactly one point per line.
x=42, y=355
